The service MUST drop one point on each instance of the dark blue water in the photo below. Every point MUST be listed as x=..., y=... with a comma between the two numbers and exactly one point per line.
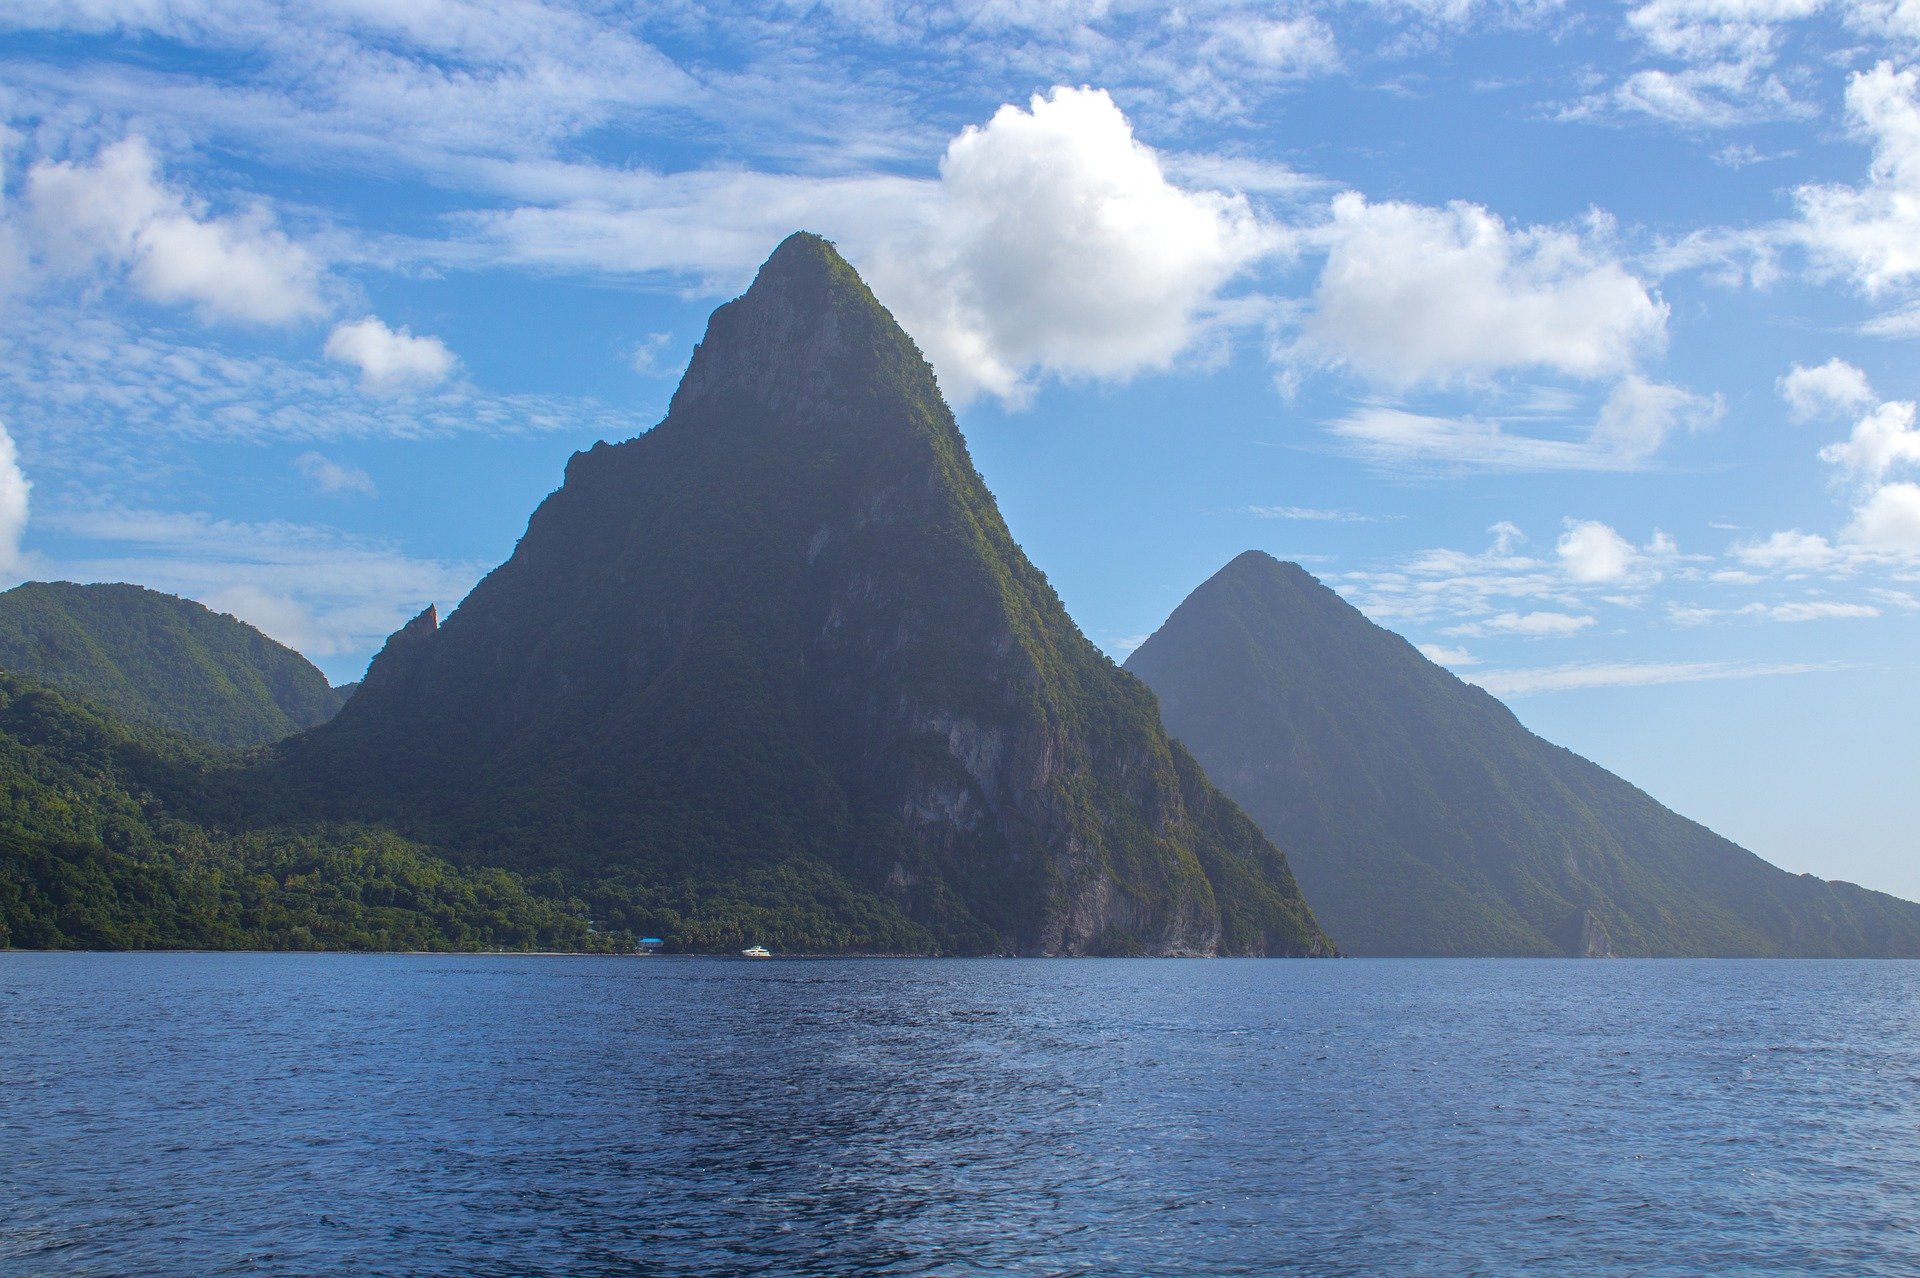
x=201, y=1114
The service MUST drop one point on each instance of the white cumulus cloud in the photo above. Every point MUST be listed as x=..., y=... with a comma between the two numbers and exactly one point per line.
x=116, y=214
x=1882, y=439
x=1888, y=521
x=1052, y=241
x=1592, y=551
x=1888, y=19
x=1718, y=96
x=1835, y=387
x=14, y=492
x=1055, y=242
x=1727, y=50
x=1413, y=294
x=1871, y=232
x=1639, y=415
x=1791, y=551
x=390, y=360
x=1885, y=522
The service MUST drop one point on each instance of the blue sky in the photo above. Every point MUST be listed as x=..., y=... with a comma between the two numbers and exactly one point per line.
x=1573, y=342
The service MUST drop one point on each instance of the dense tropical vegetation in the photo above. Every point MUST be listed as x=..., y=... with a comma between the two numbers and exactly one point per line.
x=158, y=659
x=104, y=843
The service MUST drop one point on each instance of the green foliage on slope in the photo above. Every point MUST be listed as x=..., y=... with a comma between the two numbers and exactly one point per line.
x=1422, y=818
x=99, y=850
x=115, y=836
x=158, y=659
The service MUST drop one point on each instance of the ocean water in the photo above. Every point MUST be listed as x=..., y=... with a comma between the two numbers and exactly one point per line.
x=328, y=1114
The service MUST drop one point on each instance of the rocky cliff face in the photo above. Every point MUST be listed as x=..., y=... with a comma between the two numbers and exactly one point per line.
x=788, y=625
x=1425, y=819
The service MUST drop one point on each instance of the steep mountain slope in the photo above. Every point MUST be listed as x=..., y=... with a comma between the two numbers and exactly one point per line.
x=786, y=633
x=1422, y=818
x=159, y=659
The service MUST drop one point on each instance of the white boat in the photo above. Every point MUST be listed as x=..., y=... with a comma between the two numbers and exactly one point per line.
x=756, y=951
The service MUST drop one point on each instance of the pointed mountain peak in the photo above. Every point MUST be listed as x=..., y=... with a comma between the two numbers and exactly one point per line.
x=804, y=260
x=422, y=625
x=788, y=630
x=808, y=335
x=1273, y=586
x=403, y=648
x=1255, y=565
x=1424, y=818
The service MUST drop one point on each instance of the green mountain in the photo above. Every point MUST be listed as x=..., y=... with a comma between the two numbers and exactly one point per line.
x=1423, y=819
x=159, y=659
x=102, y=847
x=778, y=663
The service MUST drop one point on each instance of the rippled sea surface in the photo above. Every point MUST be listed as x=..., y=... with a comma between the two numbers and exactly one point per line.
x=280, y=1114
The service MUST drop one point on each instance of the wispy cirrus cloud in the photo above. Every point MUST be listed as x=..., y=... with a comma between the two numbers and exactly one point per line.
x=1726, y=53
x=1630, y=427
x=1315, y=514
x=322, y=591
x=406, y=82
x=1634, y=674
x=1597, y=584
x=1790, y=611
x=1525, y=625
x=73, y=382
x=334, y=478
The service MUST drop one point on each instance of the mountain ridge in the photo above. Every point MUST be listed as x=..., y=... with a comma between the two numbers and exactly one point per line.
x=1423, y=818
x=163, y=660
x=788, y=627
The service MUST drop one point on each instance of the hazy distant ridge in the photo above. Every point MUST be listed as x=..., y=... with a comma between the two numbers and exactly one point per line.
x=1423, y=819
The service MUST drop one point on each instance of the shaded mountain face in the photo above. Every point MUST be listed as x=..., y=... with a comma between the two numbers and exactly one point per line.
x=158, y=659
x=787, y=631
x=1423, y=819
